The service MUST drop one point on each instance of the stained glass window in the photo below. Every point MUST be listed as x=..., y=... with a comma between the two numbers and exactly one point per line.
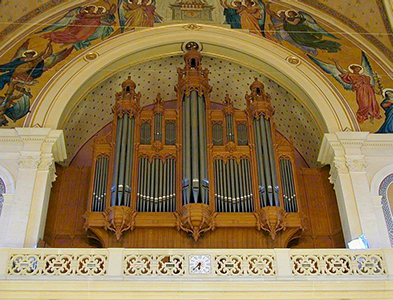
x=2, y=191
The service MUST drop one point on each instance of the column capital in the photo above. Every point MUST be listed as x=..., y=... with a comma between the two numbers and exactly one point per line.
x=33, y=142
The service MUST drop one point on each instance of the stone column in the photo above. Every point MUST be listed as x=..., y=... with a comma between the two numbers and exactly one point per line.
x=354, y=158
x=32, y=153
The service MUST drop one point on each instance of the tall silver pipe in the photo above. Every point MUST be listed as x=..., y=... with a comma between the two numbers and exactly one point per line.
x=123, y=153
x=231, y=171
x=272, y=161
x=266, y=161
x=104, y=182
x=262, y=181
x=115, y=181
x=164, y=189
x=195, y=147
x=100, y=181
x=187, y=146
x=95, y=187
x=203, y=148
x=249, y=185
x=237, y=188
x=139, y=191
x=160, y=180
x=240, y=186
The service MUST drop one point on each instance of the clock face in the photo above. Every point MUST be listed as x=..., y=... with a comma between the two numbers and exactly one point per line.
x=200, y=264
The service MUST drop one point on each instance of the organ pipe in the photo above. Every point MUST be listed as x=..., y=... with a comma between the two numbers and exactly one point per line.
x=192, y=89
x=125, y=110
x=261, y=112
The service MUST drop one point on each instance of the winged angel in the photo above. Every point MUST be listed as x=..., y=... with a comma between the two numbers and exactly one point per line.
x=301, y=30
x=360, y=79
x=246, y=14
x=24, y=69
x=137, y=13
x=82, y=25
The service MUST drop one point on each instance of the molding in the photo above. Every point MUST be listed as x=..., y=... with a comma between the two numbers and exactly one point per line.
x=30, y=142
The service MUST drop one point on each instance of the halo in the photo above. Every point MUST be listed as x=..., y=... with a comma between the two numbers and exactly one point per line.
x=287, y=13
x=233, y=2
x=29, y=51
x=386, y=90
x=95, y=8
x=103, y=9
x=280, y=11
x=356, y=65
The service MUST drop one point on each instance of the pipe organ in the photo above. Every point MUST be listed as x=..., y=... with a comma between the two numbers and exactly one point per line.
x=194, y=164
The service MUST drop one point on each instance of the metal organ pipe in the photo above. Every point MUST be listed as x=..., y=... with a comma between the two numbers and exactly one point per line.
x=195, y=182
x=258, y=103
x=100, y=184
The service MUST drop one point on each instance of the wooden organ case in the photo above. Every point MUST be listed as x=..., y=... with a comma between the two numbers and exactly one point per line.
x=193, y=173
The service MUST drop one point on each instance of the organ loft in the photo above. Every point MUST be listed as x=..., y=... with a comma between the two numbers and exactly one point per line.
x=197, y=172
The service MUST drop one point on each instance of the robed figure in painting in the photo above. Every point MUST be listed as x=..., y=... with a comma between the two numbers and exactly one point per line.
x=252, y=15
x=304, y=30
x=132, y=14
x=387, y=105
x=80, y=26
x=24, y=69
x=358, y=78
x=278, y=32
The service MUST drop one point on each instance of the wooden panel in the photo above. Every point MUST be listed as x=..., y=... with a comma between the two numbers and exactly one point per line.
x=68, y=203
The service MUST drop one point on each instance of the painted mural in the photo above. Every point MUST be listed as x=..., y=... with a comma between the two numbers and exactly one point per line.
x=27, y=66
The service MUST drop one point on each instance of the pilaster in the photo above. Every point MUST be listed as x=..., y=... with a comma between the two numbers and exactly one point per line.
x=354, y=159
x=32, y=153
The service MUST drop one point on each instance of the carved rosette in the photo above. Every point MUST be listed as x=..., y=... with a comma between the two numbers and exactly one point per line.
x=119, y=219
x=195, y=219
x=271, y=219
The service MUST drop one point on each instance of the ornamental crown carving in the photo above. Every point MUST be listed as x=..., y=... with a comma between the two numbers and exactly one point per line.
x=193, y=76
x=258, y=102
x=228, y=106
x=128, y=100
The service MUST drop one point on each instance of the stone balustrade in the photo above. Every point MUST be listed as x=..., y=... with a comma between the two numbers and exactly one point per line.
x=189, y=264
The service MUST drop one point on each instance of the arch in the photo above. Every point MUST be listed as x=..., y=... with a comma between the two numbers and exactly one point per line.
x=57, y=99
x=8, y=180
x=387, y=210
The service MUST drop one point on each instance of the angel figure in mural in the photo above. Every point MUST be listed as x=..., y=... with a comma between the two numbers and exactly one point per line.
x=301, y=30
x=278, y=32
x=247, y=15
x=387, y=105
x=24, y=69
x=82, y=25
x=137, y=13
x=360, y=79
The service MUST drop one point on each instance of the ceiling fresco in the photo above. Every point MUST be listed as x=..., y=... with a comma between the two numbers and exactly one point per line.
x=363, y=80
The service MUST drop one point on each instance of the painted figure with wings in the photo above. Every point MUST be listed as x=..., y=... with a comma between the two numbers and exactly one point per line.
x=358, y=78
x=137, y=13
x=252, y=15
x=81, y=25
x=24, y=70
x=304, y=30
x=278, y=32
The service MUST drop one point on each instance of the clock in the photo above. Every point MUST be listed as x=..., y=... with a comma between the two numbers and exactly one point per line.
x=200, y=264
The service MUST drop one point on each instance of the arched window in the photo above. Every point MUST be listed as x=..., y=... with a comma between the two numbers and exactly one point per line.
x=386, y=191
x=2, y=191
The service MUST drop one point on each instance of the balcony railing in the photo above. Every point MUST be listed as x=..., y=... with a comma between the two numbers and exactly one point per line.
x=133, y=264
